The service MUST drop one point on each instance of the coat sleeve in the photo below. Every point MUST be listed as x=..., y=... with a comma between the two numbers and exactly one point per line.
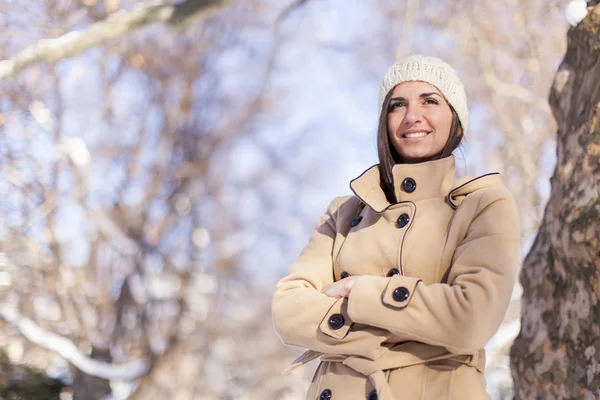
x=305, y=317
x=463, y=314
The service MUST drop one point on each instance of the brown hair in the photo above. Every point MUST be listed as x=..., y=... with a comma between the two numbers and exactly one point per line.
x=388, y=156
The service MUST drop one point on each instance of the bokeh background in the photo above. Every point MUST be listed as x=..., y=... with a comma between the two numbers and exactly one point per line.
x=156, y=183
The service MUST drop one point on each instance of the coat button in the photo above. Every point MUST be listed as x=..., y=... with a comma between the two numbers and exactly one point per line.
x=402, y=220
x=409, y=185
x=325, y=395
x=356, y=221
x=336, y=321
x=400, y=293
x=345, y=274
x=392, y=272
x=372, y=395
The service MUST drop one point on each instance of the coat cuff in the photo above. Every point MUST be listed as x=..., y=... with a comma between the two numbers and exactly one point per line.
x=337, y=322
x=370, y=293
x=399, y=291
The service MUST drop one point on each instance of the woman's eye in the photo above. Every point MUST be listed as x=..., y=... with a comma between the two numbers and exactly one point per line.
x=393, y=106
x=431, y=101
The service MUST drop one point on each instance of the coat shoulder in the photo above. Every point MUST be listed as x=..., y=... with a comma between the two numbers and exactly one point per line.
x=343, y=204
x=343, y=209
x=482, y=191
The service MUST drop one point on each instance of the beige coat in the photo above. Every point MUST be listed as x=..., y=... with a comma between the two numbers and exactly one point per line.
x=437, y=268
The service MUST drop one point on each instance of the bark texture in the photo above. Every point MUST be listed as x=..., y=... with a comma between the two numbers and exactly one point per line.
x=557, y=353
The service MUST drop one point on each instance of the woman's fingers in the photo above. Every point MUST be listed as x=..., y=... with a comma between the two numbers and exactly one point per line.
x=340, y=288
x=334, y=290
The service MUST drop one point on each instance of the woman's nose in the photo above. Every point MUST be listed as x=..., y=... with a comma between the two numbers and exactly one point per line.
x=412, y=115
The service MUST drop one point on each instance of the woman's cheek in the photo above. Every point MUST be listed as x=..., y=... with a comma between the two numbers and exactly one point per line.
x=393, y=124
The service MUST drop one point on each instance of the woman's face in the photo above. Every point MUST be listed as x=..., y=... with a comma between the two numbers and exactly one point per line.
x=418, y=121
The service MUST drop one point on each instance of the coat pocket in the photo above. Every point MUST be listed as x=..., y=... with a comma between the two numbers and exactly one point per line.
x=439, y=379
x=452, y=380
x=435, y=380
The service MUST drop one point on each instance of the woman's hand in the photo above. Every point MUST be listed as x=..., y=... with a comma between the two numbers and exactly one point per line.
x=340, y=288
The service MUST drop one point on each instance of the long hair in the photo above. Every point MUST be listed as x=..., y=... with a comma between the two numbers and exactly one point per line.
x=388, y=156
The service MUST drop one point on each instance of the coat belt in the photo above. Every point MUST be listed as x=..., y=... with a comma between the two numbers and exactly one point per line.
x=403, y=355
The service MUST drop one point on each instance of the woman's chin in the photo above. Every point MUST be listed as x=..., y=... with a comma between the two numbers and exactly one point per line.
x=416, y=156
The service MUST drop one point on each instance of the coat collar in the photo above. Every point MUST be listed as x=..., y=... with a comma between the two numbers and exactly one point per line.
x=432, y=178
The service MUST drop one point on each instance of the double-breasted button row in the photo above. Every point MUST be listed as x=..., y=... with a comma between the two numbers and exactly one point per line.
x=400, y=293
x=401, y=222
x=336, y=321
x=372, y=395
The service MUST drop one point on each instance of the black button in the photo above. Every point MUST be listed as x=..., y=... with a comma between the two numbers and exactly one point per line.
x=336, y=321
x=372, y=395
x=392, y=272
x=325, y=395
x=345, y=275
x=409, y=185
x=356, y=221
x=400, y=293
x=402, y=220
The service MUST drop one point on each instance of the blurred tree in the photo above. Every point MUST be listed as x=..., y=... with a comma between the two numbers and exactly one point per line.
x=557, y=353
x=118, y=227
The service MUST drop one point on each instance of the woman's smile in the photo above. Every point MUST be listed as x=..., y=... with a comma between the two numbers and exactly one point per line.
x=414, y=136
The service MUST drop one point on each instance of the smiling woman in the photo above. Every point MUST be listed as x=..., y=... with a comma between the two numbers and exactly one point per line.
x=403, y=283
x=415, y=101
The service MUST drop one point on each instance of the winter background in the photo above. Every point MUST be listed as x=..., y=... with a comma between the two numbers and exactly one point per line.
x=156, y=186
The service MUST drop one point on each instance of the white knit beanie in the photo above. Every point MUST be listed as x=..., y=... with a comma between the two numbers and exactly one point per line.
x=433, y=71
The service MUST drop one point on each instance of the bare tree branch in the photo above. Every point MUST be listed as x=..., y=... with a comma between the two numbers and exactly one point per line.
x=66, y=349
x=117, y=25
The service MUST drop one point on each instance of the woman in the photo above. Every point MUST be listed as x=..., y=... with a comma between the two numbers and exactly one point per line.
x=403, y=283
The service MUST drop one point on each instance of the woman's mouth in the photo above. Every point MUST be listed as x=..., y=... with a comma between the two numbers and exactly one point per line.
x=414, y=135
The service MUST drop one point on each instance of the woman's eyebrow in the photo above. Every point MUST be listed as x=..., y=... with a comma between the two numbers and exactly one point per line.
x=422, y=95
x=429, y=94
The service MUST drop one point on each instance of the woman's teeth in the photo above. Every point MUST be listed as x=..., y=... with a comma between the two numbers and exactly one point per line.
x=414, y=135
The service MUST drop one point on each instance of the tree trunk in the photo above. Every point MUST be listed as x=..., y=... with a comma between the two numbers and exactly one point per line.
x=557, y=353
